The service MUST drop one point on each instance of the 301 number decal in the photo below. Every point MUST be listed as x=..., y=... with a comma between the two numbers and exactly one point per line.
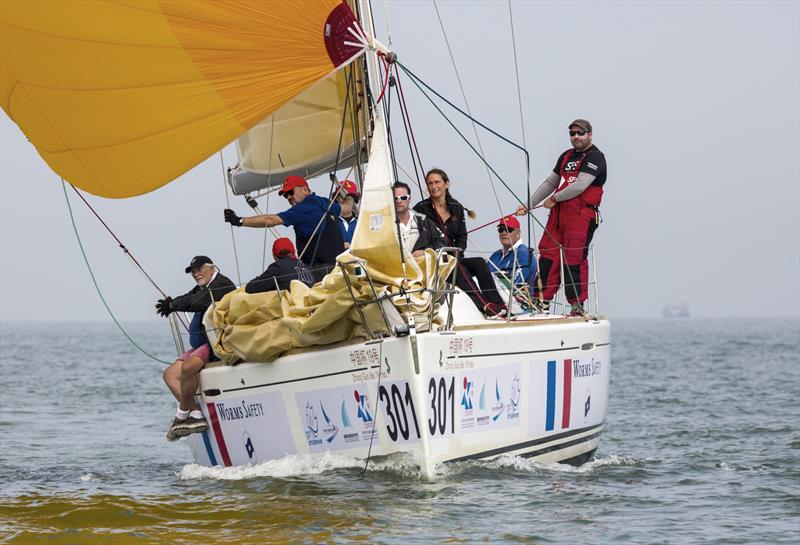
x=395, y=405
x=443, y=406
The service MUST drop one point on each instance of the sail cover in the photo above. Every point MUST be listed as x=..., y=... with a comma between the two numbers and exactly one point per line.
x=121, y=97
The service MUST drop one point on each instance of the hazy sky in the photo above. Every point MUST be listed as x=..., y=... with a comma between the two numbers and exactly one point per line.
x=695, y=105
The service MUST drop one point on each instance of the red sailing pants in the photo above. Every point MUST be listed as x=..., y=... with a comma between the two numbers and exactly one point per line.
x=573, y=232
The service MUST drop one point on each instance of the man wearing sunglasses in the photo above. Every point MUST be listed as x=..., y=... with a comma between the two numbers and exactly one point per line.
x=315, y=221
x=513, y=257
x=574, y=216
x=416, y=230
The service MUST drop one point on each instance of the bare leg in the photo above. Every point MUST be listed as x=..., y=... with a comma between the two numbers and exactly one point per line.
x=172, y=377
x=188, y=382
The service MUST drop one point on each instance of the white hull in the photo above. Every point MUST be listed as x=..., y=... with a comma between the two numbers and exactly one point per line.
x=535, y=388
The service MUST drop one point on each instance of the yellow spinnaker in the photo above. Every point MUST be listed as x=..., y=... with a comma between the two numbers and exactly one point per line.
x=121, y=97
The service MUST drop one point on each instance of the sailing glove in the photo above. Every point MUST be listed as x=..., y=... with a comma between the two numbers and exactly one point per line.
x=164, y=306
x=232, y=218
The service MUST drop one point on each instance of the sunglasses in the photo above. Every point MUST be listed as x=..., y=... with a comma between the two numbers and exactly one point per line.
x=402, y=197
x=578, y=133
x=504, y=229
x=289, y=193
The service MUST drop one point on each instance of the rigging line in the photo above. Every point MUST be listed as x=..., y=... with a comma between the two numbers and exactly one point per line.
x=344, y=123
x=386, y=23
x=418, y=82
x=269, y=182
x=409, y=130
x=406, y=126
x=530, y=214
x=521, y=119
x=96, y=286
x=377, y=399
x=466, y=103
x=125, y=249
x=228, y=203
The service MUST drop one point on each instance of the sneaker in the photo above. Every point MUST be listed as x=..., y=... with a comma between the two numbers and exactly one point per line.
x=172, y=432
x=192, y=425
x=577, y=310
x=495, y=310
x=542, y=307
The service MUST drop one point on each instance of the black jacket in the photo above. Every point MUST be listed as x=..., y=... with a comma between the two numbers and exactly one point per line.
x=455, y=228
x=199, y=298
x=284, y=270
x=429, y=235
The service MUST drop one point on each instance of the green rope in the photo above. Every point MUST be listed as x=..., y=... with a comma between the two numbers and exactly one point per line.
x=94, y=280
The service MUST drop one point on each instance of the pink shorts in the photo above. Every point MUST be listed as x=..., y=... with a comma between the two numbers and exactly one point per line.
x=204, y=353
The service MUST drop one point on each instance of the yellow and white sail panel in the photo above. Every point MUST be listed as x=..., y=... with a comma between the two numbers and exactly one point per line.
x=302, y=137
x=121, y=97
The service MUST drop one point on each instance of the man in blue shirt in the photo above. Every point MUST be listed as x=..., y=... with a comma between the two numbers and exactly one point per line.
x=347, y=197
x=512, y=258
x=315, y=220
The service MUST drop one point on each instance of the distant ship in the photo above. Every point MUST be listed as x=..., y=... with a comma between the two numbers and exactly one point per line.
x=679, y=310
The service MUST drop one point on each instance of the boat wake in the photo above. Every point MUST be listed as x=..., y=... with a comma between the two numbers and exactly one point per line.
x=526, y=464
x=405, y=465
x=299, y=465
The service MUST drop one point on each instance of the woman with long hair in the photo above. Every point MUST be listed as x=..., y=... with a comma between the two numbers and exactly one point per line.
x=449, y=215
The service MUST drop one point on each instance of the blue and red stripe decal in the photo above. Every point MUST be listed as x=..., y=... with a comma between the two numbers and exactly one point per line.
x=223, y=449
x=566, y=396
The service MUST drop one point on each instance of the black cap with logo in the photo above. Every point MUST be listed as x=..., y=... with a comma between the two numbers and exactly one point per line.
x=198, y=261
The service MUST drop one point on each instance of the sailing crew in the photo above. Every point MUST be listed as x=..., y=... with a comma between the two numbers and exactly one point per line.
x=347, y=196
x=315, y=220
x=448, y=214
x=574, y=216
x=282, y=271
x=181, y=377
x=513, y=258
x=416, y=230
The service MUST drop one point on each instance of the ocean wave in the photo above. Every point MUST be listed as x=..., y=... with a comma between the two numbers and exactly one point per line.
x=526, y=464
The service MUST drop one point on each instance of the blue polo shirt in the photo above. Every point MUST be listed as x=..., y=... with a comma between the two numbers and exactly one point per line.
x=525, y=271
x=305, y=216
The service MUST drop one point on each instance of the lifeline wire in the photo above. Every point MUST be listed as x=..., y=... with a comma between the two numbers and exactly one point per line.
x=97, y=287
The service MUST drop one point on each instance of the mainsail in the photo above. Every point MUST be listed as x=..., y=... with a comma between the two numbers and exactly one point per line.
x=121, y=97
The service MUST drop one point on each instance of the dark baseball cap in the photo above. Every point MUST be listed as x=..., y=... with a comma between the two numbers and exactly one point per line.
x=582, y=123
x=198, y=261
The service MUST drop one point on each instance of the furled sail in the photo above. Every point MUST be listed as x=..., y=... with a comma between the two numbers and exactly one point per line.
x=121, y=97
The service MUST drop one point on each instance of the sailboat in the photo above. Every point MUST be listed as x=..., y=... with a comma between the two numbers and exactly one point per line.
x=384, y=338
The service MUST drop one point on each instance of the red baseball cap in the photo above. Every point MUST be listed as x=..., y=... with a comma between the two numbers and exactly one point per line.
x=349, y=187
x=510, y=222
x=291, y=182
x=280, y=244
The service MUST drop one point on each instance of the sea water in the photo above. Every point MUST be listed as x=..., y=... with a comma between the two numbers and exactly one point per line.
x=701, y=445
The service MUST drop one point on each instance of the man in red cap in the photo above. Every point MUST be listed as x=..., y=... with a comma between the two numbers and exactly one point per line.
x=279, y=275
x=316, y=225
x=574, y=216
x=347, y=196
x=513, y=257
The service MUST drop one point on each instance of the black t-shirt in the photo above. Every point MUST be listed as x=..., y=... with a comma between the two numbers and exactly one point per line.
x=594, y=163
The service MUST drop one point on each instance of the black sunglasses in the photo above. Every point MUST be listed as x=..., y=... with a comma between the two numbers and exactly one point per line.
x=289, y=193
x=579, y=133
x=503, y=229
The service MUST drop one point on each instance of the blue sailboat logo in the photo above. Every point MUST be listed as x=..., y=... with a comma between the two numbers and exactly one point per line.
x=498, y=406
x=312, y=426
x=466, y=398
x=345, y=419
x=330, y=427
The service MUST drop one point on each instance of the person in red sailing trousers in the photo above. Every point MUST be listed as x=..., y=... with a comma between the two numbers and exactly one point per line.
x=574, y=216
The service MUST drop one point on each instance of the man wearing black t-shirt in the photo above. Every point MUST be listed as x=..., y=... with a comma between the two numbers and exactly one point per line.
x=574, y=216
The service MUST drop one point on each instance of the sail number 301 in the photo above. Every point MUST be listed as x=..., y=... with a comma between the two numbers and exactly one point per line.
x=395, y=405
